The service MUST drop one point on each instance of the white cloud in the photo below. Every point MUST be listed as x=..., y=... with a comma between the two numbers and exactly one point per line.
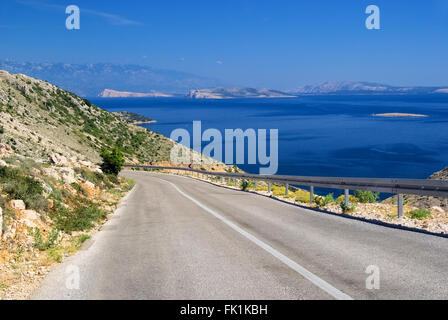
x=112, y=18
x=219, y=62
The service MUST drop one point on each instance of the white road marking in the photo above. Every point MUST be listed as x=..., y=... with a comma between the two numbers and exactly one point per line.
x=322, y=284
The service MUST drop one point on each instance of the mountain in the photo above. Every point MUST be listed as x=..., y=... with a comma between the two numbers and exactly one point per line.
x=109, y=93
x=235, y=92
x=89, y=80
x=346, y=87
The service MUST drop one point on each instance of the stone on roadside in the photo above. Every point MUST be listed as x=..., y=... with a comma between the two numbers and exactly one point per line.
x=438, y=209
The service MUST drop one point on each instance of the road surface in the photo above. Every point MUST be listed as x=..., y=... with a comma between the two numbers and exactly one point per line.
x=178, y=238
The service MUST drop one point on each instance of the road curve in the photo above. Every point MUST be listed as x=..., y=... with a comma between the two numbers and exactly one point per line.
x=178, y=238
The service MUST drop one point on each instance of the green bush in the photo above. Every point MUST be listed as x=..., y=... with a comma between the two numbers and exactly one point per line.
x=2, y=130
x=324, y=201
x=244, y=185
x=419, y=214
x=347, y=208
x=20, y=187
x=39, y=242
x=112, y=161
x=365, y=196
x=81, y=218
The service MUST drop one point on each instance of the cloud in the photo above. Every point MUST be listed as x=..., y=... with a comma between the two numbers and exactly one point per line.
x=219, y=62
x=112, y=18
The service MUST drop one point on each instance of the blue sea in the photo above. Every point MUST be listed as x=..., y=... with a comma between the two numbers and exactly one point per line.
x=321, y=135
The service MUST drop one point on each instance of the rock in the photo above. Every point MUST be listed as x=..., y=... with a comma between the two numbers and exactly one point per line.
x=59, y=160
x=87, y=164
x=90, y=185
x=98, y=170
x=17, y=204
x=67, y=175
x=437, y=209
x=51, y=172
x=1, y=222
x=3, y=163
x=31, y=218
x=5, y=151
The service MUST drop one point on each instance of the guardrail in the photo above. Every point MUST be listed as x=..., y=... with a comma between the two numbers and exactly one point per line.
x=436, y=188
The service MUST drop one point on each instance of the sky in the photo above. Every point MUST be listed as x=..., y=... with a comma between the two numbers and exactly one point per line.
x=278, y=44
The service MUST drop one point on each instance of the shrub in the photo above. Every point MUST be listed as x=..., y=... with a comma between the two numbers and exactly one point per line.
x=365, y=196
x=20, y=187
x=39, y=242
x=347, y=208
x=2, y=130
x=324, y=201
x=79, y=189
x=419, y=214
x=351, y=198
x=79, y=219
x=112, y=161
x=244, y=185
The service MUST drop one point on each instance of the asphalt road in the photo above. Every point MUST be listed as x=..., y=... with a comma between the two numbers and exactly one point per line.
x=178, y=238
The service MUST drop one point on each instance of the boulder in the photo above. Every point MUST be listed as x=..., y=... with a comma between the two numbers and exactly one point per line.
x=437, y=209
x=31, y=218
x=5, y=151
x=3, y=163
x=17, y=204
x=67, y=175
x=59, y=160
x=87, y=164
x=90, y=185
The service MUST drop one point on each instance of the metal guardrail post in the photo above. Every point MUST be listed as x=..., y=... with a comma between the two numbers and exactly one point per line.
x=269, y=187
x=347, y=197
x=400, y=205
x=311, y=194
x=286, y=189
x=255, y=184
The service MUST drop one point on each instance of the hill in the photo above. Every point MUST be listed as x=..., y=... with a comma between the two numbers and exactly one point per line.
x=39, y=119
x=347, y=87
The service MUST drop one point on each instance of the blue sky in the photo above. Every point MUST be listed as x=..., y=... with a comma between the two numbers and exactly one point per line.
x=277, y=44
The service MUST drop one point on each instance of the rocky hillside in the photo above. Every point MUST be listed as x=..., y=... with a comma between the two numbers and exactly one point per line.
x=426, y=202
x=39, y=119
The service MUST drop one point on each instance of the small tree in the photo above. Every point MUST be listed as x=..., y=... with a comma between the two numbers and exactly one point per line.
x=112, y=161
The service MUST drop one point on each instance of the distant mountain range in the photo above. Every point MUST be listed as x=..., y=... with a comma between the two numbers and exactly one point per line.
x=235, y=92
x=115, y=80
x=90, y=80
x=346, y=87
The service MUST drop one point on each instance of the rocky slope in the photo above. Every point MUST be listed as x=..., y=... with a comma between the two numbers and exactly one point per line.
x=426, y=202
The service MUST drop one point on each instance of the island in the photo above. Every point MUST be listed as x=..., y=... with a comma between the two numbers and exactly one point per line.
x=397, y=114
x=236, y=93
x=109, y=93
x=134, y=118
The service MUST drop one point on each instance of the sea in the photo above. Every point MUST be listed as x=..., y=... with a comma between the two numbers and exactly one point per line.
x=327, y=136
